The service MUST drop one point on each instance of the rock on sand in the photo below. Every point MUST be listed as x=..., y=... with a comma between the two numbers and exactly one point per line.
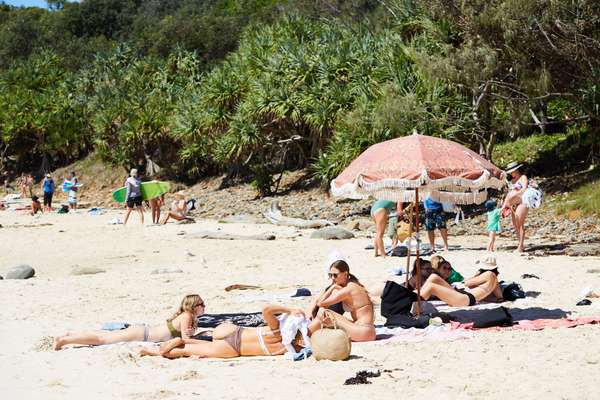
x=20, y=272
x=332, y=232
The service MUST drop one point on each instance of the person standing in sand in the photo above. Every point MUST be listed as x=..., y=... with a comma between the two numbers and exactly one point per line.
x=513, y=203
x=493, y=224
x=384, y=214
x=73, y=189
x=181, y=324
x=29, y=182
x=435, y=217
x=155, y=205
x=133, y=195
x=48, y=188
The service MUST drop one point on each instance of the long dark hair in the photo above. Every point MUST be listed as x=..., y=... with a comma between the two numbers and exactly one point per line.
x=342, y=266
x=426, y=270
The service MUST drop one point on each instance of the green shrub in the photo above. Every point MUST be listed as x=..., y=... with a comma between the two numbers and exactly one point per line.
x=585, y=199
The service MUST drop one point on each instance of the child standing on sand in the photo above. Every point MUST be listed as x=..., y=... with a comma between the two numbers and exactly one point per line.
x=493, y=225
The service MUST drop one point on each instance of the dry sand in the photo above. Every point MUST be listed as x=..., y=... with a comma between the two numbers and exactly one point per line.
x=554, y=363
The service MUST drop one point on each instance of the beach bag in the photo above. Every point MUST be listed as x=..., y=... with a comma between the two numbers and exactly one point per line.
x=403, y=230
x=396, y=299
x=331, y=343
x=399, y=251
x=533, y=197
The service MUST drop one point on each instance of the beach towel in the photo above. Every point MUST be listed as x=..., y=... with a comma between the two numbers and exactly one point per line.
x=248, y=320
x=432, y=333
x=536, y=325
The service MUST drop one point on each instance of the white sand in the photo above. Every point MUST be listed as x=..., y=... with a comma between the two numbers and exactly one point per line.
x=554, y=363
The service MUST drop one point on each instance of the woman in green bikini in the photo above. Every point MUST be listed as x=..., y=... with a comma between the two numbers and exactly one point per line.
x=231, y=341
x=381, y=212
x=181, y=324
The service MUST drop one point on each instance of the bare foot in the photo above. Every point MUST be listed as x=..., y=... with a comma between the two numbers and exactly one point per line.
x=58, y=343
x=144, y=351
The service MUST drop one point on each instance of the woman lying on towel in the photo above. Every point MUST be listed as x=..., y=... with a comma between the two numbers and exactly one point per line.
x=231, y=341
x=472, y=291
x=181, y=324
x=347, y=290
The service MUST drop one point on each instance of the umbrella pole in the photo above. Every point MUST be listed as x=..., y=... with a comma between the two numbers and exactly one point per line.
x=410, y=232
x=418, y=253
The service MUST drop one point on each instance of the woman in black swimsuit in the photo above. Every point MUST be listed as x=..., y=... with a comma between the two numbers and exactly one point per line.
x=475, y=289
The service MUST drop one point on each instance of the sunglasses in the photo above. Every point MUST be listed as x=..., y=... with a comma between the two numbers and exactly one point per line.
x=200, y=305
x=447, y=267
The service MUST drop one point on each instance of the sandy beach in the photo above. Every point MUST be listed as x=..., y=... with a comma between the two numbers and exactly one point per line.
x=559, y=363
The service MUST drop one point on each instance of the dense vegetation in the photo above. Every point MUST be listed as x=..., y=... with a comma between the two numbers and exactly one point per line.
x=256, y=87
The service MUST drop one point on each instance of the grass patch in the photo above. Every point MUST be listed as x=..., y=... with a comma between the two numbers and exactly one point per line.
x=527, y=149
x=585, y=200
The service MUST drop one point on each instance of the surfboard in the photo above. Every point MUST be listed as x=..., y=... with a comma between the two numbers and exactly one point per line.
x=67, y=185
x=150, y=190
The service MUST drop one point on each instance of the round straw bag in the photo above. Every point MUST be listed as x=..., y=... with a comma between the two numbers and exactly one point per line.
x=331, y=343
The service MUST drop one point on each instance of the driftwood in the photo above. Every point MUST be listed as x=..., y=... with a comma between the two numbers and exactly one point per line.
x=227, y=236
x=274, y=216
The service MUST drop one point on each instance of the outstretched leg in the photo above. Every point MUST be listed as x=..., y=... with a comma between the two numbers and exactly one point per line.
x=96, y=338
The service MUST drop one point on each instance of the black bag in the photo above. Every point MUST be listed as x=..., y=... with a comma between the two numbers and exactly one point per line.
x=512, y=291
x=494, y=317
x=399, y=251
x=396, y=299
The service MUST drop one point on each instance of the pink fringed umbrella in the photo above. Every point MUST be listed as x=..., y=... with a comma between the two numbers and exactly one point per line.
x=399, y=169
x=442, y=169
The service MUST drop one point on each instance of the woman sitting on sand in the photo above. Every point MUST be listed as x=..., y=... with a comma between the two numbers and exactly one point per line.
x=231, y=341
x=472, y=291
x=346, y=289
x=181, y=324
x=178, y=210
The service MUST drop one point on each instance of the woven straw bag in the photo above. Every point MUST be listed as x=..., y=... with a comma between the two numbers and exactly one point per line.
x=331, y=343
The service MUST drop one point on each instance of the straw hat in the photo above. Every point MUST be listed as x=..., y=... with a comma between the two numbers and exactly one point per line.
x=513, y=166
x=487, y=261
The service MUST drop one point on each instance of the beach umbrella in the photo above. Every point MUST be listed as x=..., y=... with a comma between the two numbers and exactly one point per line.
x=407, y=167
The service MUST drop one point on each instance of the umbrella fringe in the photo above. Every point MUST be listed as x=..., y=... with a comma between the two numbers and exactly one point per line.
x=450, y=187
x=442, y=197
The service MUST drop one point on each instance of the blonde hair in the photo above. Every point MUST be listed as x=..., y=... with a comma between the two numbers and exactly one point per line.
x=188, y=304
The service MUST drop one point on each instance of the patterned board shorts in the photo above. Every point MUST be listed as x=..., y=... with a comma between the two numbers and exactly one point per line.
x=435, y=219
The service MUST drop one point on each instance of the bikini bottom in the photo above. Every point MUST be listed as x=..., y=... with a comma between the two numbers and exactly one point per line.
x=472, y=300
x=234, y=339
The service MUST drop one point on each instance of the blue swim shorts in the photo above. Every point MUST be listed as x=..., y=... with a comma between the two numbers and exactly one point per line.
x=435, y=219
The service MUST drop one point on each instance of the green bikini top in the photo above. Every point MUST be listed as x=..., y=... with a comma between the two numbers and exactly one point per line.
x=174, y=332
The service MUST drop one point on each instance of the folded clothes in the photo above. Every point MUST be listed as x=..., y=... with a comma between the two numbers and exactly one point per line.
x=114, y=326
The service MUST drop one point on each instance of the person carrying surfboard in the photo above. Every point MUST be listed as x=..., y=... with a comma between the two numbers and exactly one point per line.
x=133, y=195
x=73, y=187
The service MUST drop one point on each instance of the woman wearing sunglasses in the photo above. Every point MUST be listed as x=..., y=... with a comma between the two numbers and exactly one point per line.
x=182, y=324
x=468, y=293
x=347, y=290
